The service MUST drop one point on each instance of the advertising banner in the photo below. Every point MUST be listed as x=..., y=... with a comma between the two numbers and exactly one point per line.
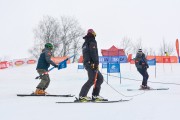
x=80, y=66
x=3, y=64
x=113, y=59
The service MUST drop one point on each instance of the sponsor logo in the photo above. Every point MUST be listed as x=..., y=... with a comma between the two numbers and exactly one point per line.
x=19, y=62
x=113, y=67
x=3, y=66
x=31, y=61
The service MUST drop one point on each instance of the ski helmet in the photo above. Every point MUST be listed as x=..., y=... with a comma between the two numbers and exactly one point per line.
x=139, y=50
x=49, y=45
x=92, y=32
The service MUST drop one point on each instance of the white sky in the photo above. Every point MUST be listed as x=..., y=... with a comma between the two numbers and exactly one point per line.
x=150, y=20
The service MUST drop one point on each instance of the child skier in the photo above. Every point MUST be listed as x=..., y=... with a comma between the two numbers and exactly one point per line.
x=44, y=62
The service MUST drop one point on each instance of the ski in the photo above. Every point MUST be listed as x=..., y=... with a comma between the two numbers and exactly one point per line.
x=113, y=101
x=49, y=95
x=148, y=89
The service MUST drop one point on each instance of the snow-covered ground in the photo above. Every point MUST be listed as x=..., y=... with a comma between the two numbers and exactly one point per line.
x=148, y=105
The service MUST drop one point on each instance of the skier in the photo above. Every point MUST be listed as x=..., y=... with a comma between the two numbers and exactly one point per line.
x=141, y=65
x=44, y=62
x=166, y=54
x=91, y=63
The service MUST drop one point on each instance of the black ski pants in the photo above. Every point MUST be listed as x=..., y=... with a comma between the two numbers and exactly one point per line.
x=143, y=72
x=91, y=76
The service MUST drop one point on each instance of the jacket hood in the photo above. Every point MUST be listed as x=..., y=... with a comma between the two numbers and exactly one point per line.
x=89, y=38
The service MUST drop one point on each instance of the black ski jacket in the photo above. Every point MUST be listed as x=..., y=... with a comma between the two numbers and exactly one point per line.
x=90, y=51
x=141, y=61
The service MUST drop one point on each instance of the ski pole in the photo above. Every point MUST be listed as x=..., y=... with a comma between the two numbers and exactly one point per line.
x=54, y=67
x=95, y=78
x=44, y=73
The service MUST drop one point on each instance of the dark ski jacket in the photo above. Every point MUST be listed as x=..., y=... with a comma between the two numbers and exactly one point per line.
x=44, y=60
x=141, y=61
x=90, y=51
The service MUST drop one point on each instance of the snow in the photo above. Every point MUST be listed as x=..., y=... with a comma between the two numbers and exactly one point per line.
x=145, y=105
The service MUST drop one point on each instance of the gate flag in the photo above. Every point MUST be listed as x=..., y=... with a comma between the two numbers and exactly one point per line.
x=62, y=65
x=177, y=47
x=113, y=68
x=151, y=62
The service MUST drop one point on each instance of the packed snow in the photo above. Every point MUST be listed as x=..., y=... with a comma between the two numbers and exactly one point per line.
x=145, y=105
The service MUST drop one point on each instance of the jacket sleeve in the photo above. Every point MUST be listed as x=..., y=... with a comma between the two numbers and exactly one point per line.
x=136, y=60
x=94, y=53
x=48, y=55
x=144, y=58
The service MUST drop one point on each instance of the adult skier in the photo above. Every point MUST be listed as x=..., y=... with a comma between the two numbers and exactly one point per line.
x=44, y=62
x=91, y=63
x=141, y=65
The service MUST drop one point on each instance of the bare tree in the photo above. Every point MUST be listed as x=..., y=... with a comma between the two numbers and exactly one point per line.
x=64, y=34
x=151, y=52
x=46, y=32
x=166, y=47
x=35, y=50
x=4, y=58
x=71, y=33
x=126, y=44
x=137, y=45
x=76, y=45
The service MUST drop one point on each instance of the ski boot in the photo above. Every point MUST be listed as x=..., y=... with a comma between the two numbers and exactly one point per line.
x=98, y=98
x=83, y=99
x=144, y=87
x=39, y=92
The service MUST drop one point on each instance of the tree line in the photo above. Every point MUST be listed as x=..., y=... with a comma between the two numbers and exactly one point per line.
x=65, y=33
x=131, y=47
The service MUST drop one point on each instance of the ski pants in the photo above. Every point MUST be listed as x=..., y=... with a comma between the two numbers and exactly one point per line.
x=45, y=79
x=143, y=72
x=91, y=77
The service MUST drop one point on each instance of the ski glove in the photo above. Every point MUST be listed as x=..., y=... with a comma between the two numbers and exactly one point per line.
x=94, y=66
x=147, y=66
x=56, y=66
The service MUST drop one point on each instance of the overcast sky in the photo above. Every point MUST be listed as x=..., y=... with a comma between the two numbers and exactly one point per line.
x=150, y=20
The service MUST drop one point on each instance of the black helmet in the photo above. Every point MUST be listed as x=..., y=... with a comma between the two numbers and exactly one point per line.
x=49, y=45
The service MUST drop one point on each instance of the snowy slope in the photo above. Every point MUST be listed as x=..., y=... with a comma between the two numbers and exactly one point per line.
x=149, y=105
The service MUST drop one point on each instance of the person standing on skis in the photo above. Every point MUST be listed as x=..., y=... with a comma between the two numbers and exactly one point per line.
x=141, y=65
x=91, y=64
x=44, y=62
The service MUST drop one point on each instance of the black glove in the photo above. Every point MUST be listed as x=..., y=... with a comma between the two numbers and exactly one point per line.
x=94, y=66
x=147, y=66
x=56, y=66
